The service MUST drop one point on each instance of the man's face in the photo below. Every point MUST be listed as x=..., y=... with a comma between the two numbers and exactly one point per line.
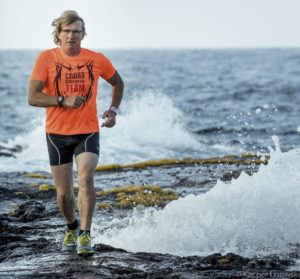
x=71, y=35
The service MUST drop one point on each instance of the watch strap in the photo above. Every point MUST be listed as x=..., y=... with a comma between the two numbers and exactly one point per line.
x=114, y=109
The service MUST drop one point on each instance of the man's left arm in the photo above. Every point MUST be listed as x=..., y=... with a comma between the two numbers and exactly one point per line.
x=117, y=94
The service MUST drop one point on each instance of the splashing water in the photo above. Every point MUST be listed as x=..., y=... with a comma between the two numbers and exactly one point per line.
x=252, y=215
x=150, y=127
x=34, y=155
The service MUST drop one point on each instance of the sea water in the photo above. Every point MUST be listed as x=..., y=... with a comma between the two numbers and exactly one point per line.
x=177, y=103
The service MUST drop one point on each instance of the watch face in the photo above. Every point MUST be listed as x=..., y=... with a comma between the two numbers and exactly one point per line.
x=60, y=100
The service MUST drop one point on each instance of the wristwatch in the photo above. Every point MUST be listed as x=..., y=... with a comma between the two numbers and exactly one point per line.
x=114, y=109
x=60, y=100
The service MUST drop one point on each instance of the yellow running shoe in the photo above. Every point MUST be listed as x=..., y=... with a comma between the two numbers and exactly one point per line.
x=84, y=244
x=70, y=240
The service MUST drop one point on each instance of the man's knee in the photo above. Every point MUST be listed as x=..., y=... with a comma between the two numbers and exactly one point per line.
x=64, y=193
x=86, y=180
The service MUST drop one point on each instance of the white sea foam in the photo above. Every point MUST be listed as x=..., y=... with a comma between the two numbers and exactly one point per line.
x=149, y=127
x=34, y=155
x=252, y=215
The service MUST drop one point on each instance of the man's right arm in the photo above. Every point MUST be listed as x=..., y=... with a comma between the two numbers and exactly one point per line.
x=37, y=98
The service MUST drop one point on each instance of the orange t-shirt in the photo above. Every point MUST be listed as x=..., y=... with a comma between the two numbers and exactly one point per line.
x=67, y=76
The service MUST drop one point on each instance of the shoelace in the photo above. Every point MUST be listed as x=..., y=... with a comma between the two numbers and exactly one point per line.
x=70, y=238
x=84, y=239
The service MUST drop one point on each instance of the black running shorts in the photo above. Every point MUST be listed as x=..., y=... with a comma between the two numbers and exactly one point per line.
x=62, y=148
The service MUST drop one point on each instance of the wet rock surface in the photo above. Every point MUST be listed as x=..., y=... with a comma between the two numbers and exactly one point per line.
x=9, y=152
x=32, y=229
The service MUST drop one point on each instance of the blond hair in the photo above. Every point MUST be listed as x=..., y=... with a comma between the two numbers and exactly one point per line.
x=66, y=18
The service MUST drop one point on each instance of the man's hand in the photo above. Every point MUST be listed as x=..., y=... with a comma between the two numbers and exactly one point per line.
x=73, y=101
x=111, y=119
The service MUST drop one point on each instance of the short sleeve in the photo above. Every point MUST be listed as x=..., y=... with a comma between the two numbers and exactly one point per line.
x=107, y=70
x=40, y=68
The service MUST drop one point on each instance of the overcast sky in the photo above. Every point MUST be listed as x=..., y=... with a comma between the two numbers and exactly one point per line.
x=156, y=23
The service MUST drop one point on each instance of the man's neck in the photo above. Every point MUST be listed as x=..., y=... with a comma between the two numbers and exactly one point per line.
x=71, y=52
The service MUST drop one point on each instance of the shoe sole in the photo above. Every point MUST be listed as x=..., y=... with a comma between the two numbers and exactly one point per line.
x=70, y=248
x=85, y=252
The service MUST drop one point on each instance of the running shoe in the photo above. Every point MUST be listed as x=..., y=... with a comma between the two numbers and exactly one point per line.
x=84, y=244
x=70, y=240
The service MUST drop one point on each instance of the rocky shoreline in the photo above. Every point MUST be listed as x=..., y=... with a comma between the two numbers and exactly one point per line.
x=31, y=230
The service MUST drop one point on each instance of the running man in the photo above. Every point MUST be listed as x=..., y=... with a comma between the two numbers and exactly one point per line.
x=65, y=80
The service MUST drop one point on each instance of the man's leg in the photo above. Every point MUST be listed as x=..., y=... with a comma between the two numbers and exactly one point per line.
x=63, y=178
x=86, y=164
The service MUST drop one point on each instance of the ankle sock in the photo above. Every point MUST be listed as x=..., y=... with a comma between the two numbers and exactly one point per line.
x=87, y=232
x=73, y=226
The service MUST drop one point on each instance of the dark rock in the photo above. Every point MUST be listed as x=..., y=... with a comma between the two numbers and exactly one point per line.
x=29, y=211
x=6, y=228
x=7, y=193
x=4, y=154
x=8, y=152
x=42, y=195
x=5, y=239
x=17, y=148
x=33, y=250
x=212, y=259
x=107, y=248
x=236, y=259
x=230, y=175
